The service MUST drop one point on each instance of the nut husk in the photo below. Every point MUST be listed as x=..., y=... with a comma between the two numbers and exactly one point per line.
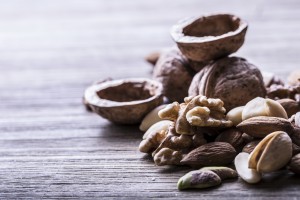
x=261, y=126
x=210, y=154
x=241, y=166
x=232, y=79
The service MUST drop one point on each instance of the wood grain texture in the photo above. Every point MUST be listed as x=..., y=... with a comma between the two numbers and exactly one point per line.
x=50, y=50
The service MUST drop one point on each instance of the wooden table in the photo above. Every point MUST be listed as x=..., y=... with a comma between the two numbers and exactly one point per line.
x=51, y=50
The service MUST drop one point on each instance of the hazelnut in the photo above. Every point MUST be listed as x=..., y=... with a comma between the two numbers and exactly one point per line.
x=209, y=37
x=173, y=71
x=232, y=79
x=124, y=101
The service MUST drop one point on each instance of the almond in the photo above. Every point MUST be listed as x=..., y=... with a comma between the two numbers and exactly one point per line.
x=261, y=126
x=210, y=154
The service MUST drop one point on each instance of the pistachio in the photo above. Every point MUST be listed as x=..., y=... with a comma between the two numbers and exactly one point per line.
x=223, y=172
x=214, y=153
x=235, y=115
x=272, y=153
x=294, y=165
x=241, y=166
x=151, y=118
x=263, y=107
x=261, y=126
x=199, y=179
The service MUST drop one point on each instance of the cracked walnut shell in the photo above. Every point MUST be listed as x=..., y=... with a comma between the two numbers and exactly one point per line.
x=232, y=79
x=196, y=111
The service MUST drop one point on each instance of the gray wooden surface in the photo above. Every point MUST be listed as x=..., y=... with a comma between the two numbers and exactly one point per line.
x=50, y=50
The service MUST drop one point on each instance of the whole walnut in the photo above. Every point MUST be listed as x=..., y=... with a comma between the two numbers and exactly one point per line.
x=173, y=71
x=232, y=79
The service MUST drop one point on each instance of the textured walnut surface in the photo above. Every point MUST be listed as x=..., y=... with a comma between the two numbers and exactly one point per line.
x=232, y=79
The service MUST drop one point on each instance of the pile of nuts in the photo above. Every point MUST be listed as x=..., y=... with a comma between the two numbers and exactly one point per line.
x=222, y=109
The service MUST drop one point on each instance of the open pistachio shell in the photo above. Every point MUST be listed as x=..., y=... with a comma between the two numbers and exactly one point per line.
x=272, y=153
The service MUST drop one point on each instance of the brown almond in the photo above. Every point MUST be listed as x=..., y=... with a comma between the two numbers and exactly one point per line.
x=291, y=106
x=296, y=149
x=248, y=148
x=210, y=154
x=296, y=136
x=232, y=136
x=294, y=165
x=261, y=126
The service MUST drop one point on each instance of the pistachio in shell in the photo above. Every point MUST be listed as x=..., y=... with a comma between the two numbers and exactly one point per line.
x=272, y=153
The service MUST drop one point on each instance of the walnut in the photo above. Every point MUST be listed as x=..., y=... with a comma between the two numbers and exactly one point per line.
x=196, y=111
x=282, y=92
x=152, y=141
x=231, y=79
x=173, y=71
x=167, y=156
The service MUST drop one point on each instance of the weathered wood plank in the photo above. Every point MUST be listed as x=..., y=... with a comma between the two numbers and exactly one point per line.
x=51, y=148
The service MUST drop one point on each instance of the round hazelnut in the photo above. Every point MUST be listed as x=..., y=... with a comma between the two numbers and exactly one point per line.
x=173, y=71
x=232, y=79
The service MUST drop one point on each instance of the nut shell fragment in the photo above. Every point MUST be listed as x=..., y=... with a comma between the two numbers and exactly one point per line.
x=124, y=101
x=241, y=166
x=209, y=37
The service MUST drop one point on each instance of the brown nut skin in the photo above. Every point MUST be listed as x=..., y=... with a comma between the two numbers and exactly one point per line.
x=294, y=164
x=232, y=79
x=232, y=136
x=173, y=71
x=210, y=154
x=259, y=127
x=248, y=148
x=209, y=37
x=291, y=106
x=124, y=101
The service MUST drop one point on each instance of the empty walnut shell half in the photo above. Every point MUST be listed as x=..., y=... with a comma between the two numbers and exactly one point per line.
x=209, y=37
x=232, y=79
x=124, y=101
